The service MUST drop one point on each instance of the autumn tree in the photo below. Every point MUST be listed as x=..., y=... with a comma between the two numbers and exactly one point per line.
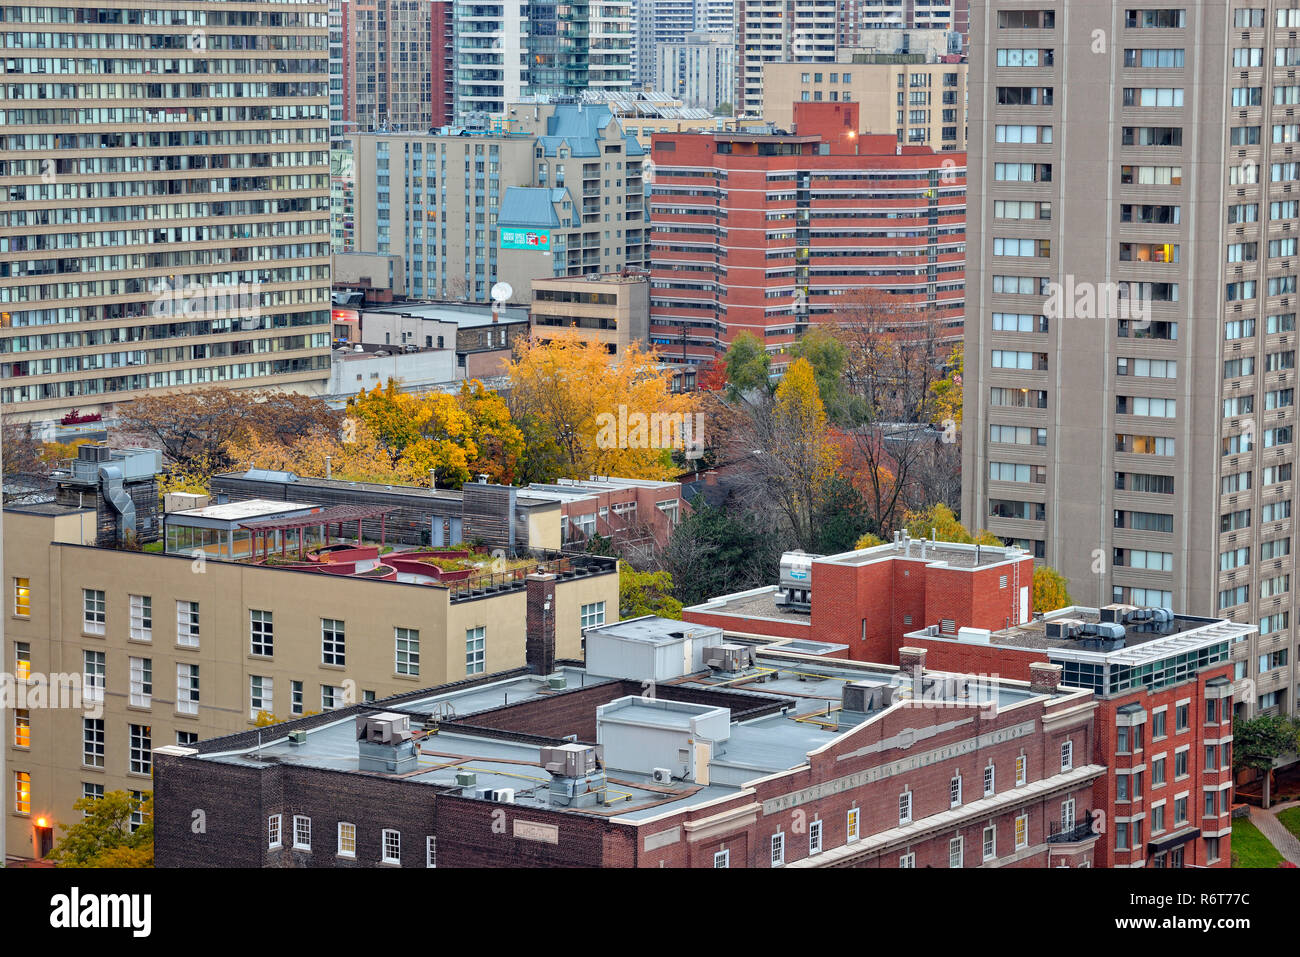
x=941, y=523
x=499, y=441
x=103, y=836
x=748, y=367
x=895, y=360
x=646, y=593
x=791, y=458
x=1051, y=589
x=826, y=352
x=584, y=412
x=195, y=429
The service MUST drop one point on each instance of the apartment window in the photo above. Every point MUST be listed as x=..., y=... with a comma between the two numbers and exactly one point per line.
x=990, y=843
x=1067, y=815
x=22, y=597
x=273, y=832
x=1182, y=718
x=1020, y=770
x=141, y=749
x=392, y=844
x=22, y=728
x=1157, y=819
x=187, y=689
x=955, y=852
x=1180, y=764
x=332, y=651
x=187, y=739
x=94, y=611
x=91, y=792
x=22, y=792
x=187, y=624
x=260, y=696
x=430, y=851
x=347, y=839
x=1180, y=811
x=141, y=618
x=722, y=859
x=907, y=860
x=954, y=791
x=94, y=671
x=593, y=614
x=301, y=832
x=23, y=660
x=295, y=697
x=1157, y=772
x=92, y=742
x=261, y=633
x=1067, y=755
x=1022, y=831
x=331, y=697
x=778, y=849
x=905, y=808
x=141, y=682
x=852, y=828
x=988, y=781
x=1158, y=724
x=475, y=651
x=408, y=651
x=1211, y=711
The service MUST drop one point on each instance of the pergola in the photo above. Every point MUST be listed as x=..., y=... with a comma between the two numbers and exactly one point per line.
x=264, y=529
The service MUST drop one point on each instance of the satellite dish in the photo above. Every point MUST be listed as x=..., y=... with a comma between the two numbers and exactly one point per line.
x=502, y=291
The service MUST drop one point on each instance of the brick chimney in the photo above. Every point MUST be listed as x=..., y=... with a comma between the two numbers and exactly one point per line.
x=1044, y=678
x=539, y=636
x=911, y=659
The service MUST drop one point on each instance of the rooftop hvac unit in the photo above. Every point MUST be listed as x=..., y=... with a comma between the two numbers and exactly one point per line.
x=499, y=795
x=569, y=760
x=385, y=728
x=729, y=658
x=1065, y=628
x=297, y=737
x=466, y=779
x=862, y=697
x=662, y=776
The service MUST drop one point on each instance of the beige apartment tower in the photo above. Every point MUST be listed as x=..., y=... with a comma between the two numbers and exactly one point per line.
x=166, y=217
x=1131, y=342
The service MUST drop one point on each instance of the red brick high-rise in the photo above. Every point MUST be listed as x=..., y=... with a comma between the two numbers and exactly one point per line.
x=769, y=233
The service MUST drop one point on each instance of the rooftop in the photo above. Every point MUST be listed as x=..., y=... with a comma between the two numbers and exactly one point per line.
x=755, y=603
x=952, y=554
x=465, y=315
x=775, y=714
x=243, y=511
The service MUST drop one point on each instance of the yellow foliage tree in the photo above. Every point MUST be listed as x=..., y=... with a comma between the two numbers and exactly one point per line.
x=869, y=541
x=1050, y=589
x=940, y=520
x=589, y=413
x=946, y=392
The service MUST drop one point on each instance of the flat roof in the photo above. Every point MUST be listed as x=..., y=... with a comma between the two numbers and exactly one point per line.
x=461, y=314
x=755, y=603
x=807, y=689
x=651, y=629
x=242, y=511
x=953, y=554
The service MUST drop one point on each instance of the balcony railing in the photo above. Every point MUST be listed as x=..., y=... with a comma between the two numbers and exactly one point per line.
x=1080, y=831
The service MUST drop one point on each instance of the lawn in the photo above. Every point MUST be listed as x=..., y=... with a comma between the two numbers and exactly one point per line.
x=1290, y=819
x=1250, y=848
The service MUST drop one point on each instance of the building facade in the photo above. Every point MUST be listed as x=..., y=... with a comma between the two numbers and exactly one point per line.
x=803, y=31
x=700, y=68
x=919, y=102
x=170, y=649
x=1136, y=309
x=134, y=258
x=768, y=233
x=395, y=65
x=612, y=310
x=556, y=190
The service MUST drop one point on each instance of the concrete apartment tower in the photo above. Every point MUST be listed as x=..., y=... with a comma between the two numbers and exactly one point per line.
x=166, y=214
x=1130, y=337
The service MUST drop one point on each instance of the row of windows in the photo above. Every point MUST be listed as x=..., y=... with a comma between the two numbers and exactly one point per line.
x=390, y=840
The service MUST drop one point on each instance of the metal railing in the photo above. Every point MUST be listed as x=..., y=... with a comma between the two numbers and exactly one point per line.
x=1079, y=831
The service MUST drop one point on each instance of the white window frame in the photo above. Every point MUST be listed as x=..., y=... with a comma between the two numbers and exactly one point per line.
x=853, y=824
x=990, y=843
x=815, y=837
x=476, y=650
x=954, y=791
x=140, y=755
x=592, y=615
x=187, y=688
x=907, y=860
x=1021, y=831
x=1022, y=770
x=1067, y=755
x=187, y=624
x=261, y=695
x=430, y=851
x=274, y=834
x=141, y=676
x=301, y=826
x=905, y=808
x=411, y=664
x=262, y=637
x=94, y=611
x=333, y=642
x=351, y=837
x=990, y=780
x=141, y=617
x=94, y=669
x=957, y=844
x=722, y=858
x=385, y=856
x=777, y=849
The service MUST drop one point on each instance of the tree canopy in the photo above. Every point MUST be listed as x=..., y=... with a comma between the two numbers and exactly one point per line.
x=103, y=837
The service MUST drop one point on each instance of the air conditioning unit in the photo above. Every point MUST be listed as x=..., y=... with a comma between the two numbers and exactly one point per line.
x=297, y=737
x=499, y=795
x=662, y=776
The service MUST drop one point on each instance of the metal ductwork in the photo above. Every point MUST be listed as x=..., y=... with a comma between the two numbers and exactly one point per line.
x=114, y=485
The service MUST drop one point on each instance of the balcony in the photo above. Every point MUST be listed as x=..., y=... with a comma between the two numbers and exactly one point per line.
x=1076, y=834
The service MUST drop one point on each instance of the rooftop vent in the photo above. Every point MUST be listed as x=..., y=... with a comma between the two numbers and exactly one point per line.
x=729, y=659
x=385, y=743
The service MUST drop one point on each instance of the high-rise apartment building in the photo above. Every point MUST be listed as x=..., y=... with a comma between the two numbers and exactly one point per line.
x=773, y=31
x=510, y=49
x=395, y=64
x=560, y=194
x=1130, y=356
x=701, y=69
x=166, y=215
x=768, y=233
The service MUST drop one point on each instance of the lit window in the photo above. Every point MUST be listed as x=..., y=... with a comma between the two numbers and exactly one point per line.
x=22, y=660
x=22, y=728
x=1020, y=770
x=1022, y=831
x=22, y=597
x=854, y=814
x=22, y=792
x=347, y=839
